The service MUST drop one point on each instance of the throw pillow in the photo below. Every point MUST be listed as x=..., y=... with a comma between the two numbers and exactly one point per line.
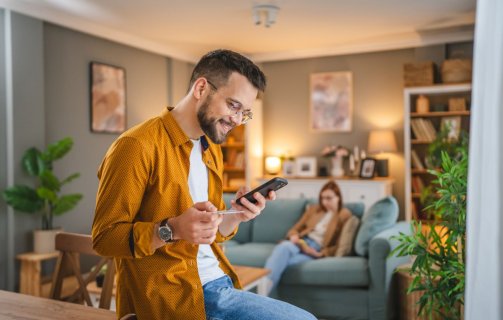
x=347, y=237
x=380, y=216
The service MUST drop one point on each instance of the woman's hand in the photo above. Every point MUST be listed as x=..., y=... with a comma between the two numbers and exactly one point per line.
x=310, y=251
x=294, y=238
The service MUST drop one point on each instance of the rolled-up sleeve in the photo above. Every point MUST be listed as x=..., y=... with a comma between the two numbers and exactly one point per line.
x=123, y=177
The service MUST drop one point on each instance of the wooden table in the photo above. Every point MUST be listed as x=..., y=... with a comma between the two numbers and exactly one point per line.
x=252, y=277
x=20, y=306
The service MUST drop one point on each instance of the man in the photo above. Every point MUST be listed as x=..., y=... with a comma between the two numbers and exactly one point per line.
x=160, y=185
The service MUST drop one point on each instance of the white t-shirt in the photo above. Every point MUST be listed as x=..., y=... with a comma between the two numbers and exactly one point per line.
x=207, y=263
x=320, y=229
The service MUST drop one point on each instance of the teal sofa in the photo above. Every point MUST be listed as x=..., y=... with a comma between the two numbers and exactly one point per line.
x=352, y=287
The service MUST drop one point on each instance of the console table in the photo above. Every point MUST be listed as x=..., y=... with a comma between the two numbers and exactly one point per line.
x=367, y=191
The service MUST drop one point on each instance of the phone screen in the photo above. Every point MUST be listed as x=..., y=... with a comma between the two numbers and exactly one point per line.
x=264, y=189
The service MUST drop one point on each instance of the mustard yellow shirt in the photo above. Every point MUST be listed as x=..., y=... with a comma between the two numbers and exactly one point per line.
x=143, y=180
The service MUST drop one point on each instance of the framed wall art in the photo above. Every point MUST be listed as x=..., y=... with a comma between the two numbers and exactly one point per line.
x=331, y=102
x=108, y=98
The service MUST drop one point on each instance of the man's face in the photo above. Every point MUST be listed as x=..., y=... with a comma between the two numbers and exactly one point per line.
x=215, y=114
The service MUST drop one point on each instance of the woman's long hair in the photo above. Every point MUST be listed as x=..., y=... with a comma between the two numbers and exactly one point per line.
x=331, y=185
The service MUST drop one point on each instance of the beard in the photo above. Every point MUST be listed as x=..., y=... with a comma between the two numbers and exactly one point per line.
x=209, y=124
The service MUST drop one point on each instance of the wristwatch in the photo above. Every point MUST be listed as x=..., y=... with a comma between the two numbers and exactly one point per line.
x=165, y=232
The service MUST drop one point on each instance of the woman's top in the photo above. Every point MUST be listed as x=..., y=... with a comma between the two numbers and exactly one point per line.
x=310, y=219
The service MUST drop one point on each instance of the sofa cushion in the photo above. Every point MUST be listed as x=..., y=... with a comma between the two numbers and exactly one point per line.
x=356, y=208
x=330, y=271
x=347, y=237
x=276, y=219
x=380, y=216
x=244, y=231
x=249, y=254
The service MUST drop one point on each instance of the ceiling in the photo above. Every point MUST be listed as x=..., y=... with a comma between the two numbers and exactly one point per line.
x=185, y=29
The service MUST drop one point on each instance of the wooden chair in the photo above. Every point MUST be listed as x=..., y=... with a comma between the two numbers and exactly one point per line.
x=71, y=247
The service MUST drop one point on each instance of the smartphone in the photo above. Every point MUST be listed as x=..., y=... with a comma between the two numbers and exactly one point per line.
x=264, y=189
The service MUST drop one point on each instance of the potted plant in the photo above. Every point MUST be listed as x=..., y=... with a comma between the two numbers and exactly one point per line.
x=438, y=267
x=44, y=198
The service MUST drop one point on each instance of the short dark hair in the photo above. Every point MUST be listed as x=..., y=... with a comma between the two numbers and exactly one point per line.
x=331, y=185
x=217, y=66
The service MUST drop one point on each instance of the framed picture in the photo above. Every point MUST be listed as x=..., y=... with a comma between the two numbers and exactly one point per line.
x=331, y=102
x=367, y=168
x=108, y=98
x=289, y=168
x=453, y=125
x=305, y=167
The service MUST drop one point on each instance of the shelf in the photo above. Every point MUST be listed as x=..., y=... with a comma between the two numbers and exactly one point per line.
x=440, y=114
x=416, y=141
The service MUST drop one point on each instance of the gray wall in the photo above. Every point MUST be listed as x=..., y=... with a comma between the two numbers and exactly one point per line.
x=28, y=127
x=3, y=156
x=67, y=57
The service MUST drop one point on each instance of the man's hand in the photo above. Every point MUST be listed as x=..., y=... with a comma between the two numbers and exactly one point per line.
x=198, y=224
x=250, y=210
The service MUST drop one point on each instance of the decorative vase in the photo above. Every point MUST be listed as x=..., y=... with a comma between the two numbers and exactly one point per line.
x=337, y=169
x=44, y=241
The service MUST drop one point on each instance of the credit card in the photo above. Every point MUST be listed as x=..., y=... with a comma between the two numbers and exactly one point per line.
x=230, y=211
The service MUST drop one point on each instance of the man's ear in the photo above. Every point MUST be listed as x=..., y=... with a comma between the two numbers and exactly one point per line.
x=198, y=87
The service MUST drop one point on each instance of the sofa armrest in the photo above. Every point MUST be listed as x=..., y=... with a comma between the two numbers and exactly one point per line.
x=381, y=268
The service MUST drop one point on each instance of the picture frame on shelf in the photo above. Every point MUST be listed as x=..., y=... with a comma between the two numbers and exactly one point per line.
x=453, y=124
x=108, y=98
x=331, y=102
x=305, y=167
x=289, y=168
x=367, y=168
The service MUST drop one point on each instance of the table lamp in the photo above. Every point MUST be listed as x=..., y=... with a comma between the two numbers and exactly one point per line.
x=272, y=165
x=381, y=141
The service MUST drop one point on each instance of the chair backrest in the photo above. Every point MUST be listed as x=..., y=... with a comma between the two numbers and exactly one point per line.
x=71, y=247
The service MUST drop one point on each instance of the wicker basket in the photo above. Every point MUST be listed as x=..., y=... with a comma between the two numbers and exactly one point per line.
x=457, y=71
x=418, y=73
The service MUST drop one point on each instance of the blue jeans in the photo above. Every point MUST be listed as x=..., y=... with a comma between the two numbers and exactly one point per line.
x=223, y=301
x=285, y=254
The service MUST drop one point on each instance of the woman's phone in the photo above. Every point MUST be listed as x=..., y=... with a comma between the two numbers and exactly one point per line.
x=264, y=189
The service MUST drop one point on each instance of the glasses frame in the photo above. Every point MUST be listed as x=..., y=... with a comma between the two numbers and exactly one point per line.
x=246, y=115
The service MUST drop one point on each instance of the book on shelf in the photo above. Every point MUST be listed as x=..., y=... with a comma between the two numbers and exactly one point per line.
x=423, y=129
x=239, y=161
x=413, y=209
x=417, y=184
x=416, y=161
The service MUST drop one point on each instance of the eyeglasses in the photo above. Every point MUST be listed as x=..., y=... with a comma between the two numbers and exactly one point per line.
x=235, y=108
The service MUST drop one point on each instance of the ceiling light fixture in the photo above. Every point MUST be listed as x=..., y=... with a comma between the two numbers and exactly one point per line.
x=265, y=14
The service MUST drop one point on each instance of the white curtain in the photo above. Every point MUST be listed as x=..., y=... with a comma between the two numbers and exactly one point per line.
x=484, y=278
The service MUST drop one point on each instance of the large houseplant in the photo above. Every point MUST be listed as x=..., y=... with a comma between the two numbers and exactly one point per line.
x=438, y=269
x=44, y=197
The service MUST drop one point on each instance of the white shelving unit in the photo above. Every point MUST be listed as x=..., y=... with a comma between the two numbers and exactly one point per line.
x=437, y=94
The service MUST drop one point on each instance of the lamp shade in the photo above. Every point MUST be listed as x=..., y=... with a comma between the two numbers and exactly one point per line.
x=272, y=165
x=381, y=141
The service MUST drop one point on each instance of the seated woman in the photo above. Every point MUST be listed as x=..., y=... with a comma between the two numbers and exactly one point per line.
x=315, y=235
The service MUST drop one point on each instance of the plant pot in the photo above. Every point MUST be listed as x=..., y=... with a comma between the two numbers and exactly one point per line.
x=44, y=241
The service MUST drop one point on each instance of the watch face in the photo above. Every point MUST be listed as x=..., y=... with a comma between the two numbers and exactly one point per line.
x=165, y=233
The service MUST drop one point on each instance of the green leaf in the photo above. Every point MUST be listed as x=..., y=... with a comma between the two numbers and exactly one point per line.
x=70, y=178
x=50, y=181
x=23, y=198
x=58, y=149
x=47, y=194
x=31, y=161
x=66, y=203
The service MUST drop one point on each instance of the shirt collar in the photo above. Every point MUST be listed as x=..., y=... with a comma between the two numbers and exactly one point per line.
x=176, y=133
